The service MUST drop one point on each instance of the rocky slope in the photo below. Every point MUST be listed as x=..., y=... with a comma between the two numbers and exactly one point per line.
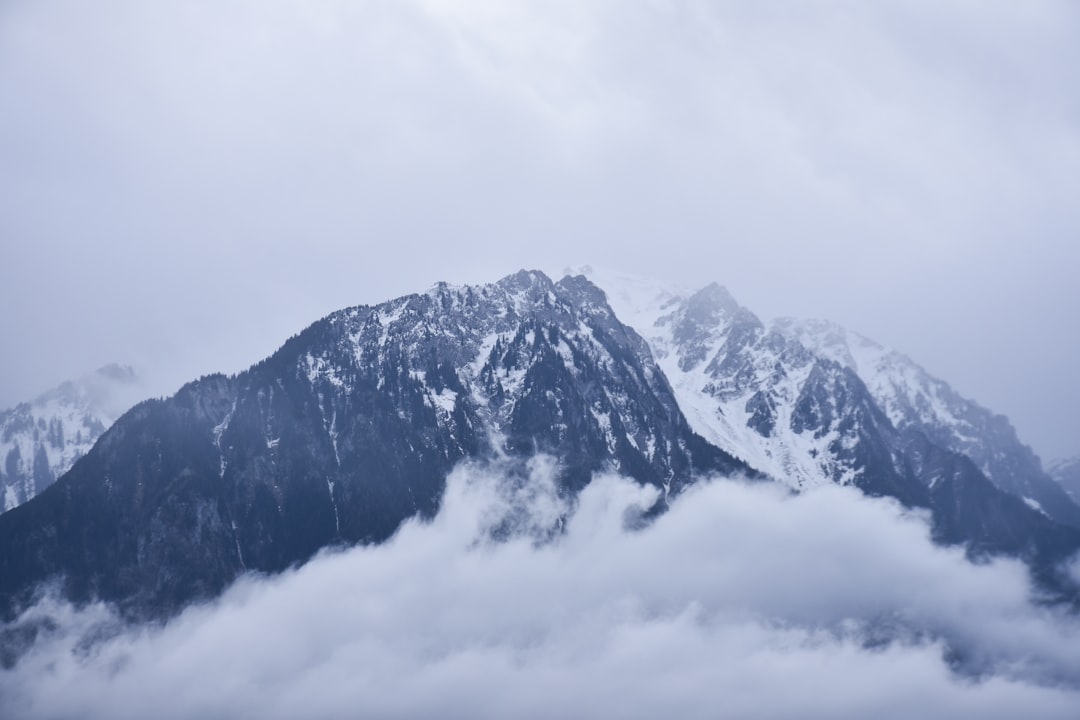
x=914, y=399
x=806, y=418
x=351, y=427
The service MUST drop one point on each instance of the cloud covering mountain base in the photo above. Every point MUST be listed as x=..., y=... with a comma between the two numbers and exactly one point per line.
x=741, y=601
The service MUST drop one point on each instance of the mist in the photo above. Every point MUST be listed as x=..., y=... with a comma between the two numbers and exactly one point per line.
x=742, y=601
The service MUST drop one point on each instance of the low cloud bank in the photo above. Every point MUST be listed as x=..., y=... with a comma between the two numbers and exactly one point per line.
x=742, y=601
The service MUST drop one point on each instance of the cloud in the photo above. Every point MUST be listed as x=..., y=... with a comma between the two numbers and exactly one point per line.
x=742, y=601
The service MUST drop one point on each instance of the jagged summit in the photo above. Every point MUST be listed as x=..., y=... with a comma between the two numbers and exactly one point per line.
x=717, y=297
x=347, y=430
x=353, y=425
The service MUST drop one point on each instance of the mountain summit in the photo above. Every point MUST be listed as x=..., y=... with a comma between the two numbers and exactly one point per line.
x=354, y=424
x=346, y=431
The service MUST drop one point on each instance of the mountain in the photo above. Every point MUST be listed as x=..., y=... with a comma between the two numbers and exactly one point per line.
x=41, y=439
x=914, y=399
x=1067, y=474
x=352, y=426
x=346, y=431
x=805, y=418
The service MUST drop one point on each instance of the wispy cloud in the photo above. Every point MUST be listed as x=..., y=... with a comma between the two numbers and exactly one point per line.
x=742, y=601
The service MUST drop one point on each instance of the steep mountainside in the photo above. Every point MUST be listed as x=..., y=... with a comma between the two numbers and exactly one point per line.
x=807, y=419
x=41, y=439
x=802, y=419
x=914, y=399
x=351, y=427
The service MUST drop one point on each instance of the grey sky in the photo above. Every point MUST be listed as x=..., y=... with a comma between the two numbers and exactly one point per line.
x=184, y=185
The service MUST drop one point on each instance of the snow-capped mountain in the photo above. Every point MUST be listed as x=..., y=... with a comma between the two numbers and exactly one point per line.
x=798, y=417
x=807, y=419
x=353, y=425
x=780, y=398
x=350, y=428
x=1067, y=474
x=41, y=439
x=914, y=399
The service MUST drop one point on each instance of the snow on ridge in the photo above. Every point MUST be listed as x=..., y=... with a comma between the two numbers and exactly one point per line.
x=907, y=393
x=714, y=404
x=468, y=323
x=59, y=427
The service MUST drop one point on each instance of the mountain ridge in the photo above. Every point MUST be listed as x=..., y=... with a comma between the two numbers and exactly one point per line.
x=913, y=398
x=344, y=432
x=353, y=424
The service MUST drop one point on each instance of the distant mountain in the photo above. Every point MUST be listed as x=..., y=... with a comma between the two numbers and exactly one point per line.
x=914, y=399
x=346, y=431
x=1067, y=474
x=41, y=439
x=353, y=425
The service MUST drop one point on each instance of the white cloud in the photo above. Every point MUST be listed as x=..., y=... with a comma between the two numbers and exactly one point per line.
x=742, y=601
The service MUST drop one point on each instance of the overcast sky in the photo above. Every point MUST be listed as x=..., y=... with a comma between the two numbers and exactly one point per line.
x=184, y=185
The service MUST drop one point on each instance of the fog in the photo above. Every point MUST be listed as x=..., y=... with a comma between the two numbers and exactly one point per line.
x=183, y=185
x=741, y=601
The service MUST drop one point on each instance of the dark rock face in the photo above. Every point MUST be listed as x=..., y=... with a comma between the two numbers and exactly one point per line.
x=968, y=508
x=349, y=429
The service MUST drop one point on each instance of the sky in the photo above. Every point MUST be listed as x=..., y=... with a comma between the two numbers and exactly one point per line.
x=185, y=185
x=443, y=621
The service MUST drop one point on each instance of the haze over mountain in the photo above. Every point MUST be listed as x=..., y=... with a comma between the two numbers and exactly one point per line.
x=41, y=439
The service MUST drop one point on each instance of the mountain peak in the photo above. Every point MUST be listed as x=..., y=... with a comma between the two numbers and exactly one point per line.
x=714, y=304
x=717, y=294
x=526, y=279
x=584, y=290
